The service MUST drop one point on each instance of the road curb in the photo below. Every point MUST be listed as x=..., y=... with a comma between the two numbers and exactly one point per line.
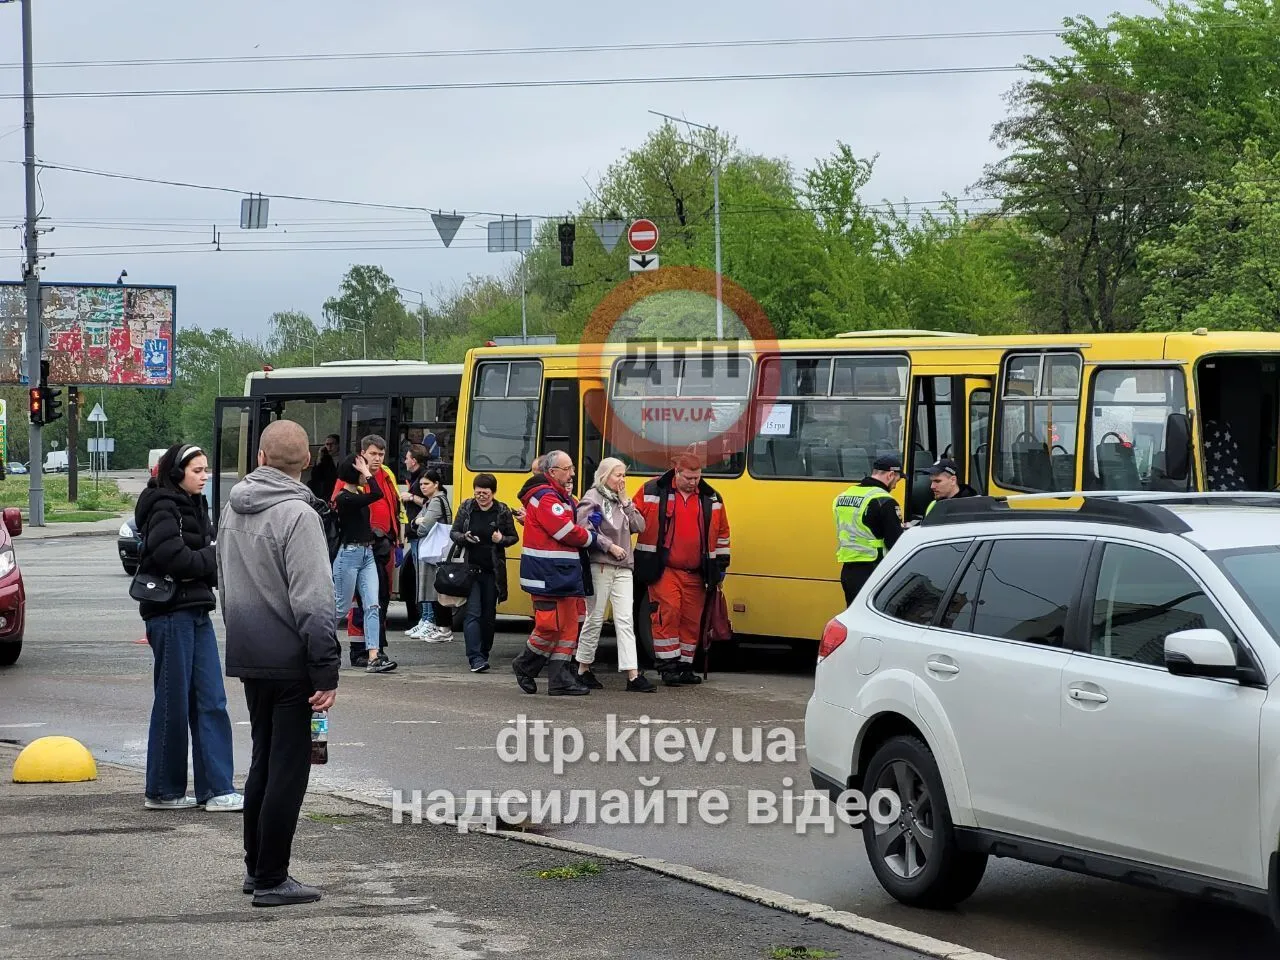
x=820, y=912
x=63, y=536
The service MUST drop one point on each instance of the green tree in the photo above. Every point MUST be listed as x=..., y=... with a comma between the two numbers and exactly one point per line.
x=1092, y=160
x=369, y=311
x=1221, y=268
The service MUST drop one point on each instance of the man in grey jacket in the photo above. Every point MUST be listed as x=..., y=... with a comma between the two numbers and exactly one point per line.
x=278, y=608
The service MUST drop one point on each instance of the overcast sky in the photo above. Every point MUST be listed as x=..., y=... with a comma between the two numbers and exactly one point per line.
x=525, y=151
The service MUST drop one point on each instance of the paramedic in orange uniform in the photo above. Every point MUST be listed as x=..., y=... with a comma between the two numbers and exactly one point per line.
x=681, y=557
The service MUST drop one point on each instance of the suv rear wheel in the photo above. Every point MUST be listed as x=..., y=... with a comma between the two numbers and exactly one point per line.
x=9, y=653
x=916, y=858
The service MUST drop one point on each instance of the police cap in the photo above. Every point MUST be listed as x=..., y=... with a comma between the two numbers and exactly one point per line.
x=888, y=461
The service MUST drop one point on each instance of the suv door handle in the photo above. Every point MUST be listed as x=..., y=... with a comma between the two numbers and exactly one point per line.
x=1086, y=695
x=941, y=666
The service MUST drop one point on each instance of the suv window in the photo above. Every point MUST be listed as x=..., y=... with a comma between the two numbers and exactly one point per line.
x=959, y=615
x=1141, y=598
x=915, y=590
x=1027, y=589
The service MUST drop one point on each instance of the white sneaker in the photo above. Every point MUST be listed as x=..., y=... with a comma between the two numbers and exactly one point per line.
x=178, y=803
x=227, y=803
x=439, y=634
x=417, y=631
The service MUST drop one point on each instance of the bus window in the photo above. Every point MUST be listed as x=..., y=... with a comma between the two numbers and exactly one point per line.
x=828, y=417
x=560, y=417
x=504, y=416
x=659, y=407
x=979, y=438
x=1039, y=415
x=365, y=418
x=1129, y=411
x=431, y=422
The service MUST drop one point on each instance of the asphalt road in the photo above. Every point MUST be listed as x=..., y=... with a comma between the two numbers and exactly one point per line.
x=433, y=725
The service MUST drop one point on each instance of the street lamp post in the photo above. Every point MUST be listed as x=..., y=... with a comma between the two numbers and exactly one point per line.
x=31, y=269
x=715, y=187
x=422, y=317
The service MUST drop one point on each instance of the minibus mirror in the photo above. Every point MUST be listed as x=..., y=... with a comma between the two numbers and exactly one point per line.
x=1177, y=446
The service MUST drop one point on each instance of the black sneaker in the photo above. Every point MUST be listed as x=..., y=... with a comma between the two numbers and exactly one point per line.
x=248, y=885
x=286, y=894
x=641, y=684
x=380, y=665
x=689, y=678
x=671, y=677
x=588, y=679
x=480, y=668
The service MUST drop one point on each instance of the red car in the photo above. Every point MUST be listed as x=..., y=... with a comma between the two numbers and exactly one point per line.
x=13, y=595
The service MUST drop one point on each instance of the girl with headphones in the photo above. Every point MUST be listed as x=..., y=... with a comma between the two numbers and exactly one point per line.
x=178, y=573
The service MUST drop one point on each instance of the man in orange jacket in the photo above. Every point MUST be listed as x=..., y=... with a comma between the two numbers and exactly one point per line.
x=681, y=557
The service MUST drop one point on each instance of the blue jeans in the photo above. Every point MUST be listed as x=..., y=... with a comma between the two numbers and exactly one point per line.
x=188, y=695
x=354, y=568
x=481, y=618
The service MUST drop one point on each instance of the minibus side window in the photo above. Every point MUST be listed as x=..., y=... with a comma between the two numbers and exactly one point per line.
x=1039, y=415
x=503, y=425
x=660, y=406
x=1129, y=413
x=828, y=417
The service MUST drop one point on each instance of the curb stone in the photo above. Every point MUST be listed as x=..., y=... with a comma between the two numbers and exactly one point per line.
x=823, y=913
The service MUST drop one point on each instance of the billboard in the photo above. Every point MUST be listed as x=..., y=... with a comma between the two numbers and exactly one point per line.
x=96, y=334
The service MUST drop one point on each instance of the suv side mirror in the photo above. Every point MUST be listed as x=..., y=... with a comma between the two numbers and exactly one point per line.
x=1200, y=653
x=13, y=521
x=1177, y=447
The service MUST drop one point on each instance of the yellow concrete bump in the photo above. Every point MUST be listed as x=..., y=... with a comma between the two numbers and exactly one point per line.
x=54, y=760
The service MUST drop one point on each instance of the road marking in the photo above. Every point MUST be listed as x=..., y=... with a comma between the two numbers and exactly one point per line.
x=408, y=721
x=483, y=747
x=22, y=726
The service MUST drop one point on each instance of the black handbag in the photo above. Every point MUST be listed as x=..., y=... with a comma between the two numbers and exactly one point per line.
x=454, y=577
x=153, y=588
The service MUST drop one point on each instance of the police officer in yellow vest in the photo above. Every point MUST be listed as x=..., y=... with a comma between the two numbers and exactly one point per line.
x=868, y=524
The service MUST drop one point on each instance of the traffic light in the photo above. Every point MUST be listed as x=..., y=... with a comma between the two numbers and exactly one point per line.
x=35, y=405
x=52, y=404
x=567, y=234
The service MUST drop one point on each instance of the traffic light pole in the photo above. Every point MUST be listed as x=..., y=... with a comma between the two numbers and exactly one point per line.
x=35, y=467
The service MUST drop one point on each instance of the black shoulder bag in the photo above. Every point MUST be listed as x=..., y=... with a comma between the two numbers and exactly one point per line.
x=154, y=587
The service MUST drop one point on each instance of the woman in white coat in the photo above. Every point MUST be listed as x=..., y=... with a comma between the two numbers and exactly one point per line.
x=607, y=510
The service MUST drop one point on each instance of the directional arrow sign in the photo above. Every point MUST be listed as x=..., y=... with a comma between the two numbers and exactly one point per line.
x=642, y=262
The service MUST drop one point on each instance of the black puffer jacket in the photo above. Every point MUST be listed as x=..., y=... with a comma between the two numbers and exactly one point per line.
x=177, y=540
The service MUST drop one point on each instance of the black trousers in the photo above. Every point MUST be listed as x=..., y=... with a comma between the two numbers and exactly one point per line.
x=853, y=576
x=280, y=722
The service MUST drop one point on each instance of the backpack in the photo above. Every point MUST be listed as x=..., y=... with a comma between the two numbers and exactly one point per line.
x=332, y=532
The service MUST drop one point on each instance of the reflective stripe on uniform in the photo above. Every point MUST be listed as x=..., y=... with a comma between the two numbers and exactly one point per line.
x=857, y=544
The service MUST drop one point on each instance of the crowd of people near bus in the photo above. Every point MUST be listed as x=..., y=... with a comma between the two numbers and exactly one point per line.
x=288, y=587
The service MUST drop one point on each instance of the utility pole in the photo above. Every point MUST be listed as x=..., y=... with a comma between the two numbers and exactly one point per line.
x=715, y=187
x=422, y=318
x=32, y=271
x=524, y=320
x=73, y=444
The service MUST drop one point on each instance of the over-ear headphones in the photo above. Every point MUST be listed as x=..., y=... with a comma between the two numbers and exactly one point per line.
x=179, y=470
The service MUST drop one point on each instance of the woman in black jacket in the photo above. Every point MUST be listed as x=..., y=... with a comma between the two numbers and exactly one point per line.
x=484, y=527
x=178, y=545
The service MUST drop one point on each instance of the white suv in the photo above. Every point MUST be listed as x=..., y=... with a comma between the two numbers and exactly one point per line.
x=1082, y=688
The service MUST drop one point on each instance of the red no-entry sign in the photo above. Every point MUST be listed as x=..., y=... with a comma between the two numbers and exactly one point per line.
x=643, y=236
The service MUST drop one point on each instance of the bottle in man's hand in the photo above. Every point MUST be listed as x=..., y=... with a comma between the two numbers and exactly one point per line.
x=320, y=736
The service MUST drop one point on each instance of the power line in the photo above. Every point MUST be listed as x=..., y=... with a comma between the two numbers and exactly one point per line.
x=87, y=171
x=555, y=50
x=514, y=84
